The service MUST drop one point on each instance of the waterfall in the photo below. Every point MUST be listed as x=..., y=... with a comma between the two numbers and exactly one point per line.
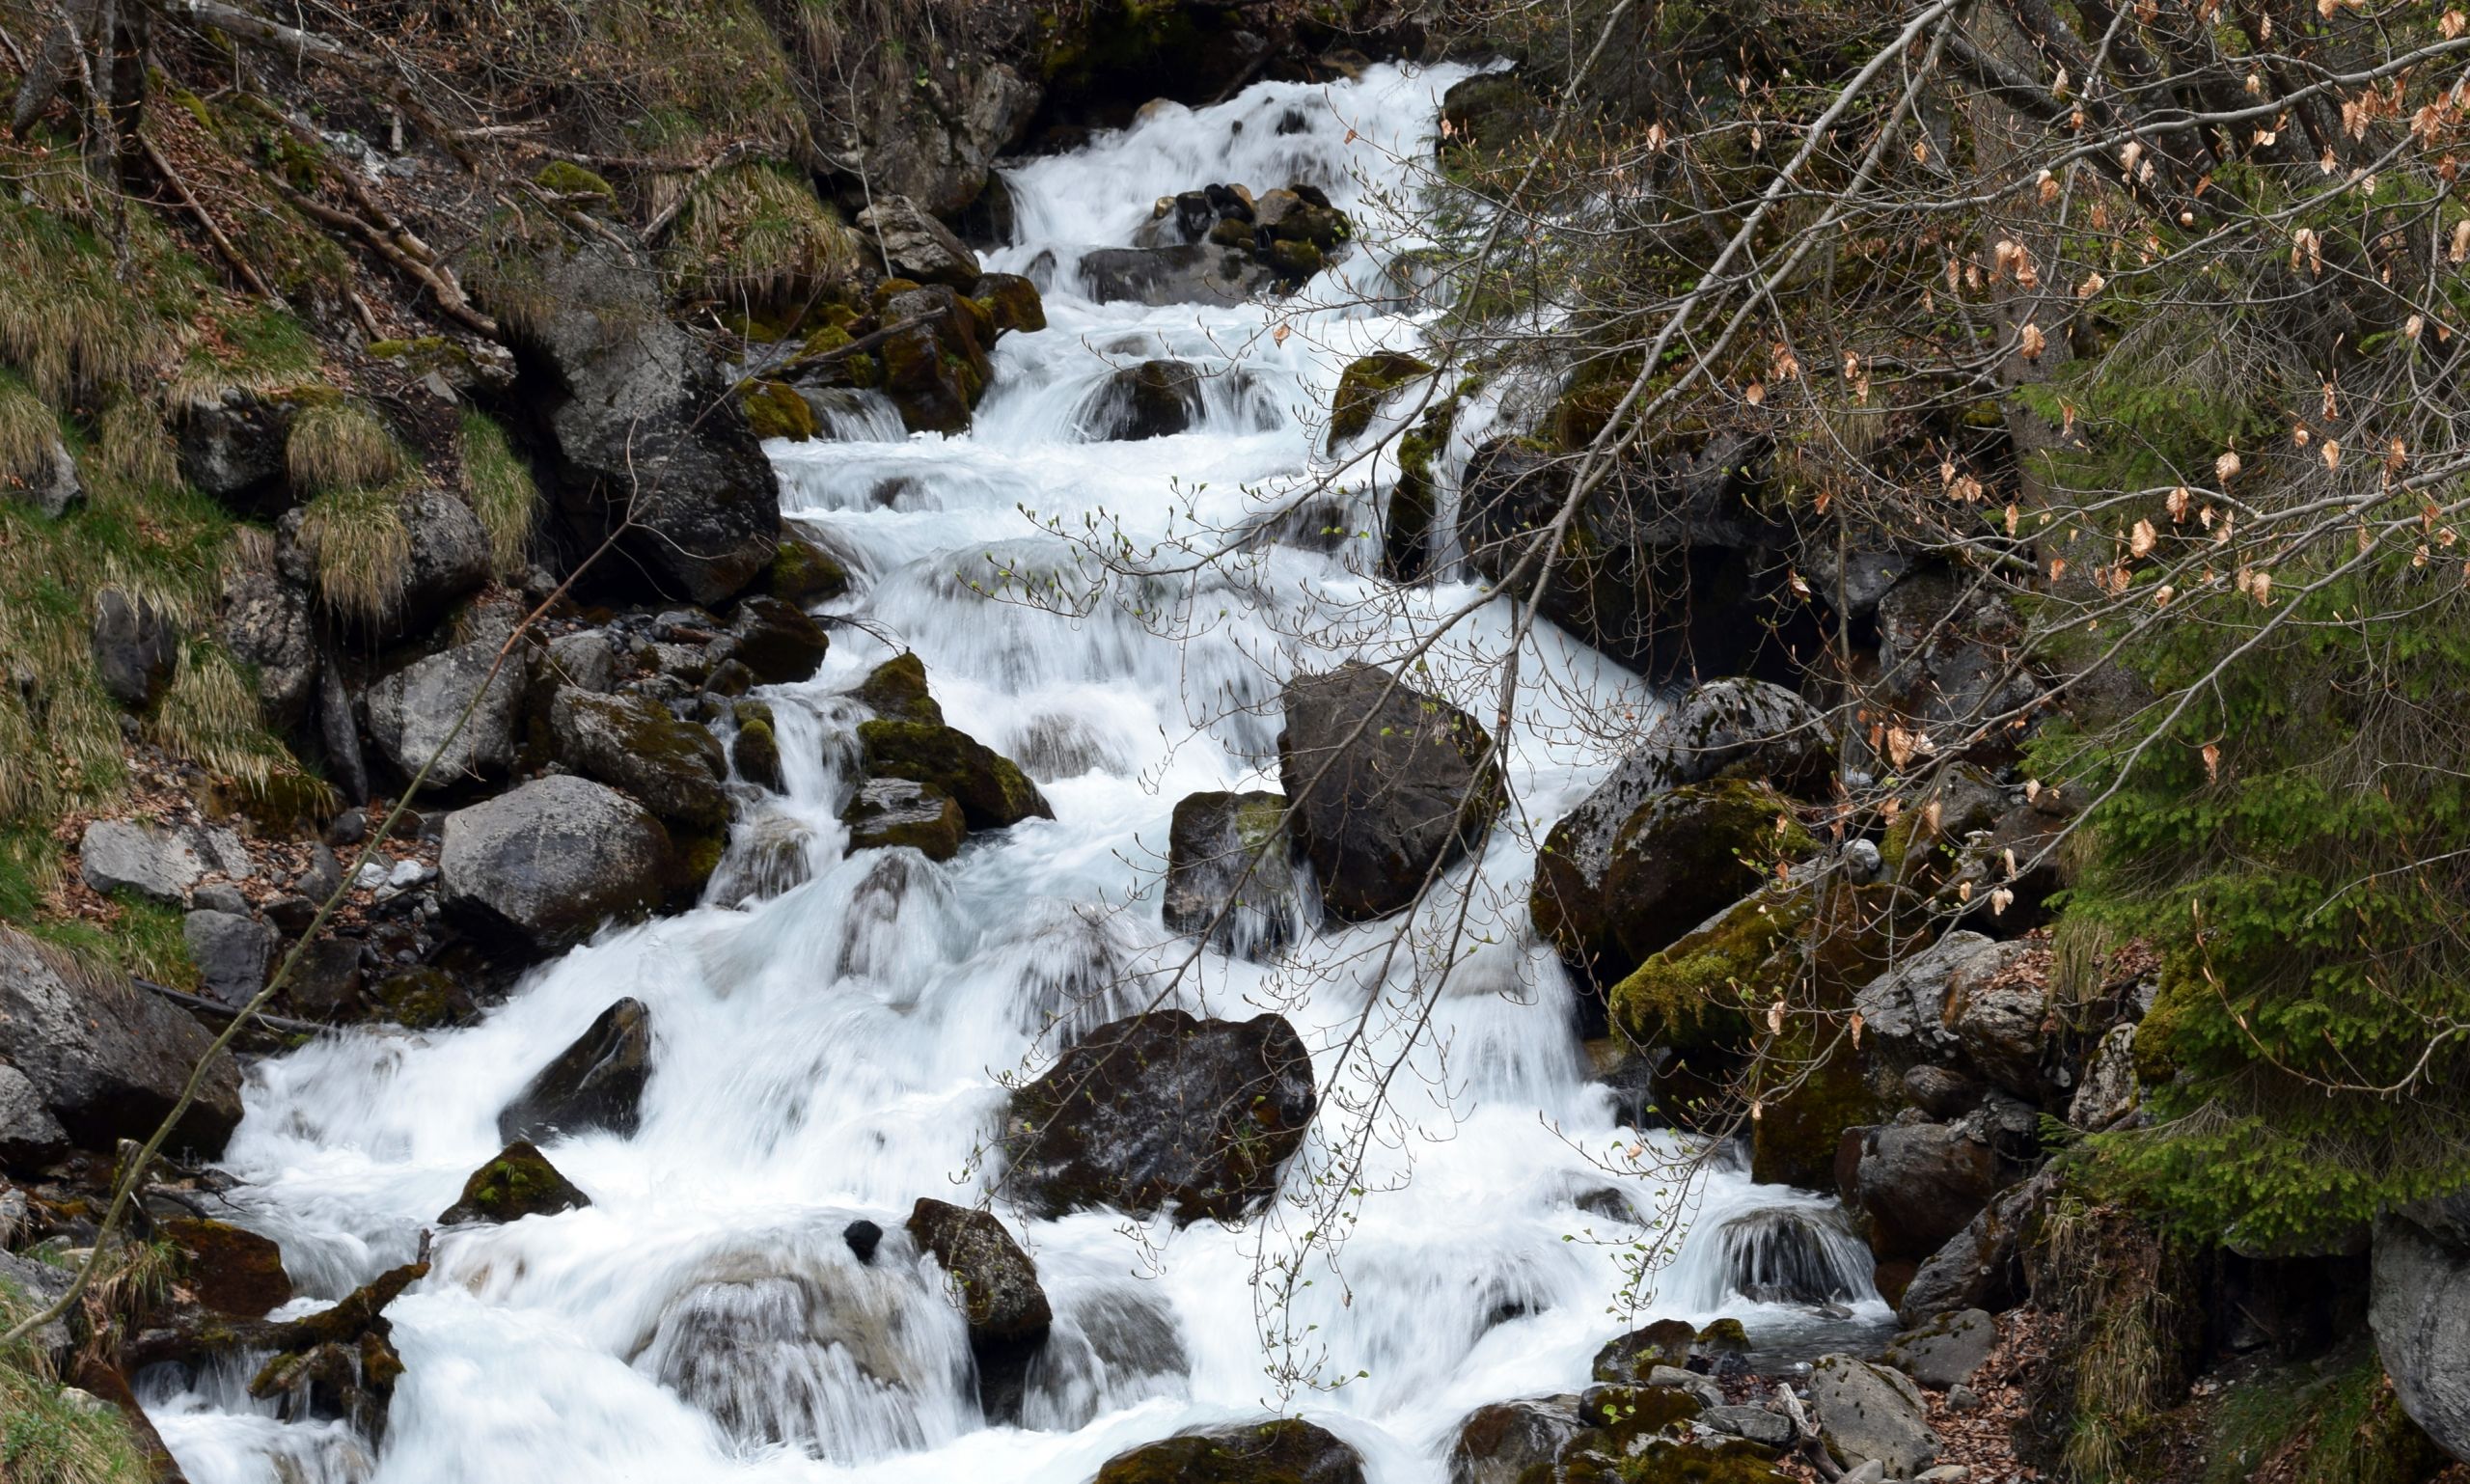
x=833, y=1034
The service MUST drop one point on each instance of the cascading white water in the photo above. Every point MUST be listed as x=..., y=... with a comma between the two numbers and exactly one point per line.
x=832, y=1033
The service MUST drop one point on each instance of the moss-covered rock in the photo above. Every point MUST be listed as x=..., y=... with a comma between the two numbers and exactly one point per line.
x=991, y=789
x=1362, y=386
x=520, y=1182
x=232, y=1271
x=1284, y=1451
x=1629, y=1359
x=1724, y=1336
x=774, y=409
x=895, y=690
x=581, y=187
x=1294, y=261
x=806, y=574
x=1011, y=302
x=632, y=742
x=779, y=641
x=755, y=752
x=421, y=999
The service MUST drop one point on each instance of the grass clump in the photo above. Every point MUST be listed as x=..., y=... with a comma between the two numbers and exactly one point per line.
x=341, y=446
x=498, y=486
x=360, y=543
x=50, y=1435
x=27, y=433
x=757, y=237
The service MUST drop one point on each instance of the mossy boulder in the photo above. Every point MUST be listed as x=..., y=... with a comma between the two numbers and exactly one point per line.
x=992, y=792
x=579, y=187
x=1228, y=872
x=1679, y=860
x=1629, y=1359
x=632, y=742
x=1724, y=1337
x=520, y=1182
x=936, y=371
x=1362, y=387
x=1287, y=1450
x=1011, y=302
x=774, y=409
x=888, y=812
x=232, y=1269
x=895, y=690
x=805, y=573
x=755, y=752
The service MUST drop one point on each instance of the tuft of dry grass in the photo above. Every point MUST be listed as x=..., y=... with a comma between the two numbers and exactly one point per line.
x=341, y=446
x=497, y=484
x=757, y=235
x=27, y=432
x=359, y=545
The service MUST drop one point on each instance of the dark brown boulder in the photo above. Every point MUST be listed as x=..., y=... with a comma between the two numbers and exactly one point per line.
x=596, y=1082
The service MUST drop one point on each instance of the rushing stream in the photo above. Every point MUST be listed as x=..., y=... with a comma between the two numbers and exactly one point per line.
x=830, y=1043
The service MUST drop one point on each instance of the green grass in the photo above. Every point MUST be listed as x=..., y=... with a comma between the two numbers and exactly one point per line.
x=48, y=1435
x=341, y=446
x=498, y=486
x=2329, y=1423
x=756, y=236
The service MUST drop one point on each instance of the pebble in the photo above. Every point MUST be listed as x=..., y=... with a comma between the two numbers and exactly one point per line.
x=1944, y=1473
x=1963, y=1398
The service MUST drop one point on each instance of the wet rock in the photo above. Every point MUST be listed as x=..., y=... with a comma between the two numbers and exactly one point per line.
x=29, y=1134
x=754, y=751
x=1917, y=1184
x=229, y=1269
x=892, y=811
x=520, y=1182
x=412, y=711
x=1680, y=858
x=2419, y=1306
x=936, y=371
x=1502, y=1442
x=230, y=951
x=596, y=1082
x=895, y=690
x=1153, y=400
x=340, y=1364
x=1867, y=1412
x=1286, y=1451
x=864, y=1237
x=993, y=792
x=1186, y=273
x=135, y=647
x=1629, y=1359
x=776, y=640
x=106, y=1059
x=325, y=983
x=1385, y=785
x=420, y=999
x=1228, y=873
x=1945, y=1351
x=916, y=245
x=538, y=868
x=632, y=742
x=1670, y=566
x=998, y=1287
x=159, y=865
x=1162, y=1109
x=1363, y=386
x=263, y=620
x=1011, y=301
x=635, y=420
x=805, y=574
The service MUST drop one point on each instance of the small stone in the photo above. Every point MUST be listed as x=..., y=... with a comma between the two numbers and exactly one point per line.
x=349, y=828
x=372, y=875
x=218, y=896
x=323, y=874
x=862, y=1237
x=231, y=953
x=1944, y=1473
x=1963, y=1398
x=1871, y=1472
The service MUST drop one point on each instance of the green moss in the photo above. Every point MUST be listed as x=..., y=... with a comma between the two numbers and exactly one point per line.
x=896, y=689
x=1011, y=303
x=755, y=752
x=1724, y=1336
x=565, y=178
x=1692, y=995
x=805, y=573
x=518, y=1182
x=1295, y=261
x=992, y=792
x=420, y=999
x=1364, y=385
x=2319, y=1425
x=774, y=409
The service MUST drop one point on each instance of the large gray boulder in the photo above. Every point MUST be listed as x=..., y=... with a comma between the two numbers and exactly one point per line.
x=632, y=742
x=935, y=142
x=1869, y=1413
x=28, y=1132
x=1982, y=1266
x=1186, y=273
x=156, y=862
x=1163, y=1109
x=1962, y=1003
x=449, y=560
x=232, y=444
x=2419, y=1306
x=916, y=245
x=107, y=1059
x=412, y=711
x=1946, y=1351
x=637, y=427
x=539, y=867
x=264, y=623
x=1384, y=785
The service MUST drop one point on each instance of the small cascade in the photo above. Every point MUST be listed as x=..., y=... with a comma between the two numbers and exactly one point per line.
x=834, y=1036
